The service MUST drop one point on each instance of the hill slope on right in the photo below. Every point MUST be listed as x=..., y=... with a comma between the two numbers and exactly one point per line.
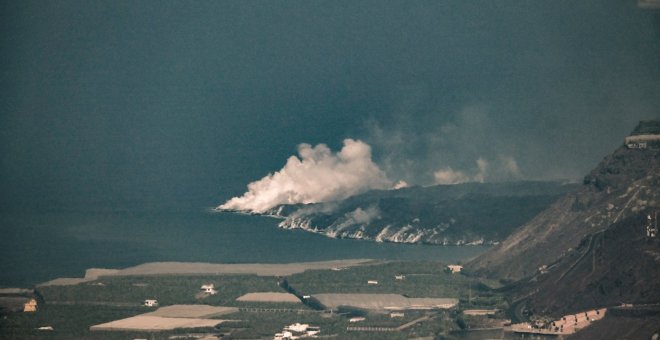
x=590, y=248
x=595, y=247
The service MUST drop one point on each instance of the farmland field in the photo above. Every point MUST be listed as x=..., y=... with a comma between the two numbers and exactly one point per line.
x=259, y=306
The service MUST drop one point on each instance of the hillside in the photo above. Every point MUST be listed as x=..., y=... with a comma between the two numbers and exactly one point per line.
x=616, y=269
x=620, y=188
x=618, y=265
x=470, y=213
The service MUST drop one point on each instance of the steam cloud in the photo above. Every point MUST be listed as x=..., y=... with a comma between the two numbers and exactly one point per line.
x=470, y=144
x=505, y=166
x=450, y=176
x=318, y=175
x=359, y=216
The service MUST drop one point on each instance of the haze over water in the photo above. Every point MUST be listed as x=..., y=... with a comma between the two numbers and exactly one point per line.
x=48, y=245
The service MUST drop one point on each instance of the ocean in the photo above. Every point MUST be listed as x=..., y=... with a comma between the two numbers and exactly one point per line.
x=39, y=246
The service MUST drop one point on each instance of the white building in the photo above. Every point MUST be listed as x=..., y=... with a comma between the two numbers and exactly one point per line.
x=284, y=335
x=297, y=331
x=357, y=319
x=151, y=303
x=399, y=277
x=372, y=282
x=209, y=289
x=30, y=306
x=297, y=327
x=641, y=141
x=455, y=268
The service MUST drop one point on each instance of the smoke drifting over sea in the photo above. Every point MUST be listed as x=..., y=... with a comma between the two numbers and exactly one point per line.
x=317, y=175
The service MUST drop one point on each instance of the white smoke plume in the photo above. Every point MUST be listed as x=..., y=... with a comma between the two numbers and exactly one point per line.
x=400, y=185
x=510, y=165
x=317, y=175
x=482, y=164
x=450, y=176
x=504, y=168
x=360, y=216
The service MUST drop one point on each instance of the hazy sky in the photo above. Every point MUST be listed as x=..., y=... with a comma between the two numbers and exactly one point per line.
x=153, y=103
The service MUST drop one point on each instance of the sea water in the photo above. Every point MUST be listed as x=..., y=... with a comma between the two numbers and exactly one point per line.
x=39, y=246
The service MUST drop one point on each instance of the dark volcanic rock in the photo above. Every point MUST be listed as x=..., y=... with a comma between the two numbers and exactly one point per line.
x=470, y=213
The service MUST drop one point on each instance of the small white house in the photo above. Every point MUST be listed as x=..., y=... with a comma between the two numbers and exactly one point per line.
x=297, y=331
x=313, y=332
x=641, y=141
x=150, y=303
x=357, y=319
x=397, y=315
x=283, y=335
x=372, y=282
x=209, y=289
x=297, y=327
x=400, y=277
x=30, y=306
x=455, y=268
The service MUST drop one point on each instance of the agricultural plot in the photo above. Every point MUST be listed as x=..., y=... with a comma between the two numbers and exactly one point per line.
x=263, y=325
x=192, y=311
x=168, y=290
x=269, y=297
x=68, y=322
x=169, y=318
x=155, y=323
x=383, y=301
x=421, y=279
x=411, y=279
